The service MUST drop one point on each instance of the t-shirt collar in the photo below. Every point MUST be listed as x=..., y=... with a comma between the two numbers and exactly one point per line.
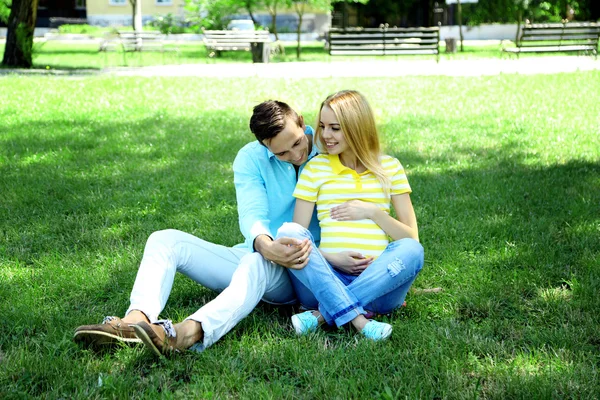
x=338, y=167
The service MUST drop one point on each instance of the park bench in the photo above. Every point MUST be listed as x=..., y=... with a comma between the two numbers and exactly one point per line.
x=258, y=42
x=384, y=41
x=135, y=41
x=561, y=37
x=132, y=41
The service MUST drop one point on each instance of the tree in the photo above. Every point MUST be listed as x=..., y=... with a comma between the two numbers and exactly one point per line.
x=19, y=39
x=136, y=14
x=249, y=5
x=300, y=8
x=272, y=8
x=521, y=6
x=460, y=32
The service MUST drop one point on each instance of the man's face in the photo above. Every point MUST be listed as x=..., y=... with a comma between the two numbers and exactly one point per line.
x=291, y=144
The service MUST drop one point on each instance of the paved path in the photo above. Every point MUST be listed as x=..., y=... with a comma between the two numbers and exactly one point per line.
x=334, y=69
x=526, y=65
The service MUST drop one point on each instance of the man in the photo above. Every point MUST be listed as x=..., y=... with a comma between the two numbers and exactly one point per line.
x=265, y=174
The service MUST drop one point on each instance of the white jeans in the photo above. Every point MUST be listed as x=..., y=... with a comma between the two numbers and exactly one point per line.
x=243, y=278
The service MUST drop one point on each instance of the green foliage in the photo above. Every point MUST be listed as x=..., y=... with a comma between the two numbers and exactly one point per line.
x=5, y=10
x=349, y=1
x=167, y=24
x=506, y=11
x=211, y=14
x=24, y=36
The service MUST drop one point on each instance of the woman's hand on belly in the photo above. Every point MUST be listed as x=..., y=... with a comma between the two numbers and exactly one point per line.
x=353, y=210
x=349, y=262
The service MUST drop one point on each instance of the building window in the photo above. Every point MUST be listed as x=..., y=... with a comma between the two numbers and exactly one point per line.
x=164, y=2
x=117, y=2
x=80, y=4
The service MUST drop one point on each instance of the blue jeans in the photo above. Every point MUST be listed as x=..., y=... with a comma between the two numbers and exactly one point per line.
x=340, y=297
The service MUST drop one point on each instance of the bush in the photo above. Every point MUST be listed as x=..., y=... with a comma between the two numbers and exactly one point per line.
x=168, y=24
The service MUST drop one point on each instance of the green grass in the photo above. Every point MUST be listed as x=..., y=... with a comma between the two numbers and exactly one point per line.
x=505, y=172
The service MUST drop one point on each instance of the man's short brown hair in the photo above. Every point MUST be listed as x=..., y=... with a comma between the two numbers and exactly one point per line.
x=269, y=118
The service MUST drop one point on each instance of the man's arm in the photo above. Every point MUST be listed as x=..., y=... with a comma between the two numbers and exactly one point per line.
x=253, y=211
x=251, y=195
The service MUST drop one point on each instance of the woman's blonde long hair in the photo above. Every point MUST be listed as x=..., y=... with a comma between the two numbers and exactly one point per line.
x=358, y=124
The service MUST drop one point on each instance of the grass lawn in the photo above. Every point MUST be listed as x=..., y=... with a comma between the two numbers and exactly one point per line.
x=505, y=172
x=73, y=55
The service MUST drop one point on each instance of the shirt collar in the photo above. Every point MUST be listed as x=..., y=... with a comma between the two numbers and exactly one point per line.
x=338, y=167
x=336, y=164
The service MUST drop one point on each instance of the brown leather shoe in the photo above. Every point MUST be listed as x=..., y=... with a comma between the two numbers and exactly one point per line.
x=110, y=332
x=158, y=337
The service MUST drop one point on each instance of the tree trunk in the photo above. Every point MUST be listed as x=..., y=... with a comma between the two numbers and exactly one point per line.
x=136, y=15
x=299, y=35
x=132, y=2
x=519, y=21
x=274, y=26
x=273, y=12
x=300, y=11
x=19, y=38
x=249, y=9
x=460, y=33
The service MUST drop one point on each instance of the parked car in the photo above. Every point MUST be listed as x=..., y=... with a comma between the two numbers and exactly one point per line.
x=240, y=25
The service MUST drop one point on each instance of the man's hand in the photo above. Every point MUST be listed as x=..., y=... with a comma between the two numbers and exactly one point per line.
x=350, y=262
x=353, y=210
x=287, y=252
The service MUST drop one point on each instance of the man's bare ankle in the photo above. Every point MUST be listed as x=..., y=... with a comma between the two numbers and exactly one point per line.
x=134, y=317
x=189, y=332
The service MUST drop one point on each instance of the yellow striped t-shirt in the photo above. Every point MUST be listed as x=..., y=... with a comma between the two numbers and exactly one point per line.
x=327, y=182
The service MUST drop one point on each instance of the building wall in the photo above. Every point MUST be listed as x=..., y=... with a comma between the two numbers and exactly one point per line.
x=119, y=12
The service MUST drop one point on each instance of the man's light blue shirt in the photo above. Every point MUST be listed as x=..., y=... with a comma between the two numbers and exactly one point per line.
x=264, y=187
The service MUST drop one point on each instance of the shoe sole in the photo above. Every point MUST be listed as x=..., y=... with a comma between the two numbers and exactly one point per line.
x=386, y=333
x=297, y=325
x=147, y=340
x=98, y=338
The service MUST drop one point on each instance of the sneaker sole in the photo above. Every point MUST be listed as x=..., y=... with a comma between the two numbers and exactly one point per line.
x=97, y=338
x=386, y=333
x=297, y=325
x=147, y=340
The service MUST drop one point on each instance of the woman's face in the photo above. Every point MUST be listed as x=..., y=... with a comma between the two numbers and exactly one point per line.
x=332, y=133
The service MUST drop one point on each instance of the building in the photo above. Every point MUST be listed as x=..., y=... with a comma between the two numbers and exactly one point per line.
x=120, y=12
x=52, y=13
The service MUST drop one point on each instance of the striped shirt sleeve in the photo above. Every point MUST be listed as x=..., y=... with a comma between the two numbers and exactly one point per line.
x=398, y=178
x=306, y=188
